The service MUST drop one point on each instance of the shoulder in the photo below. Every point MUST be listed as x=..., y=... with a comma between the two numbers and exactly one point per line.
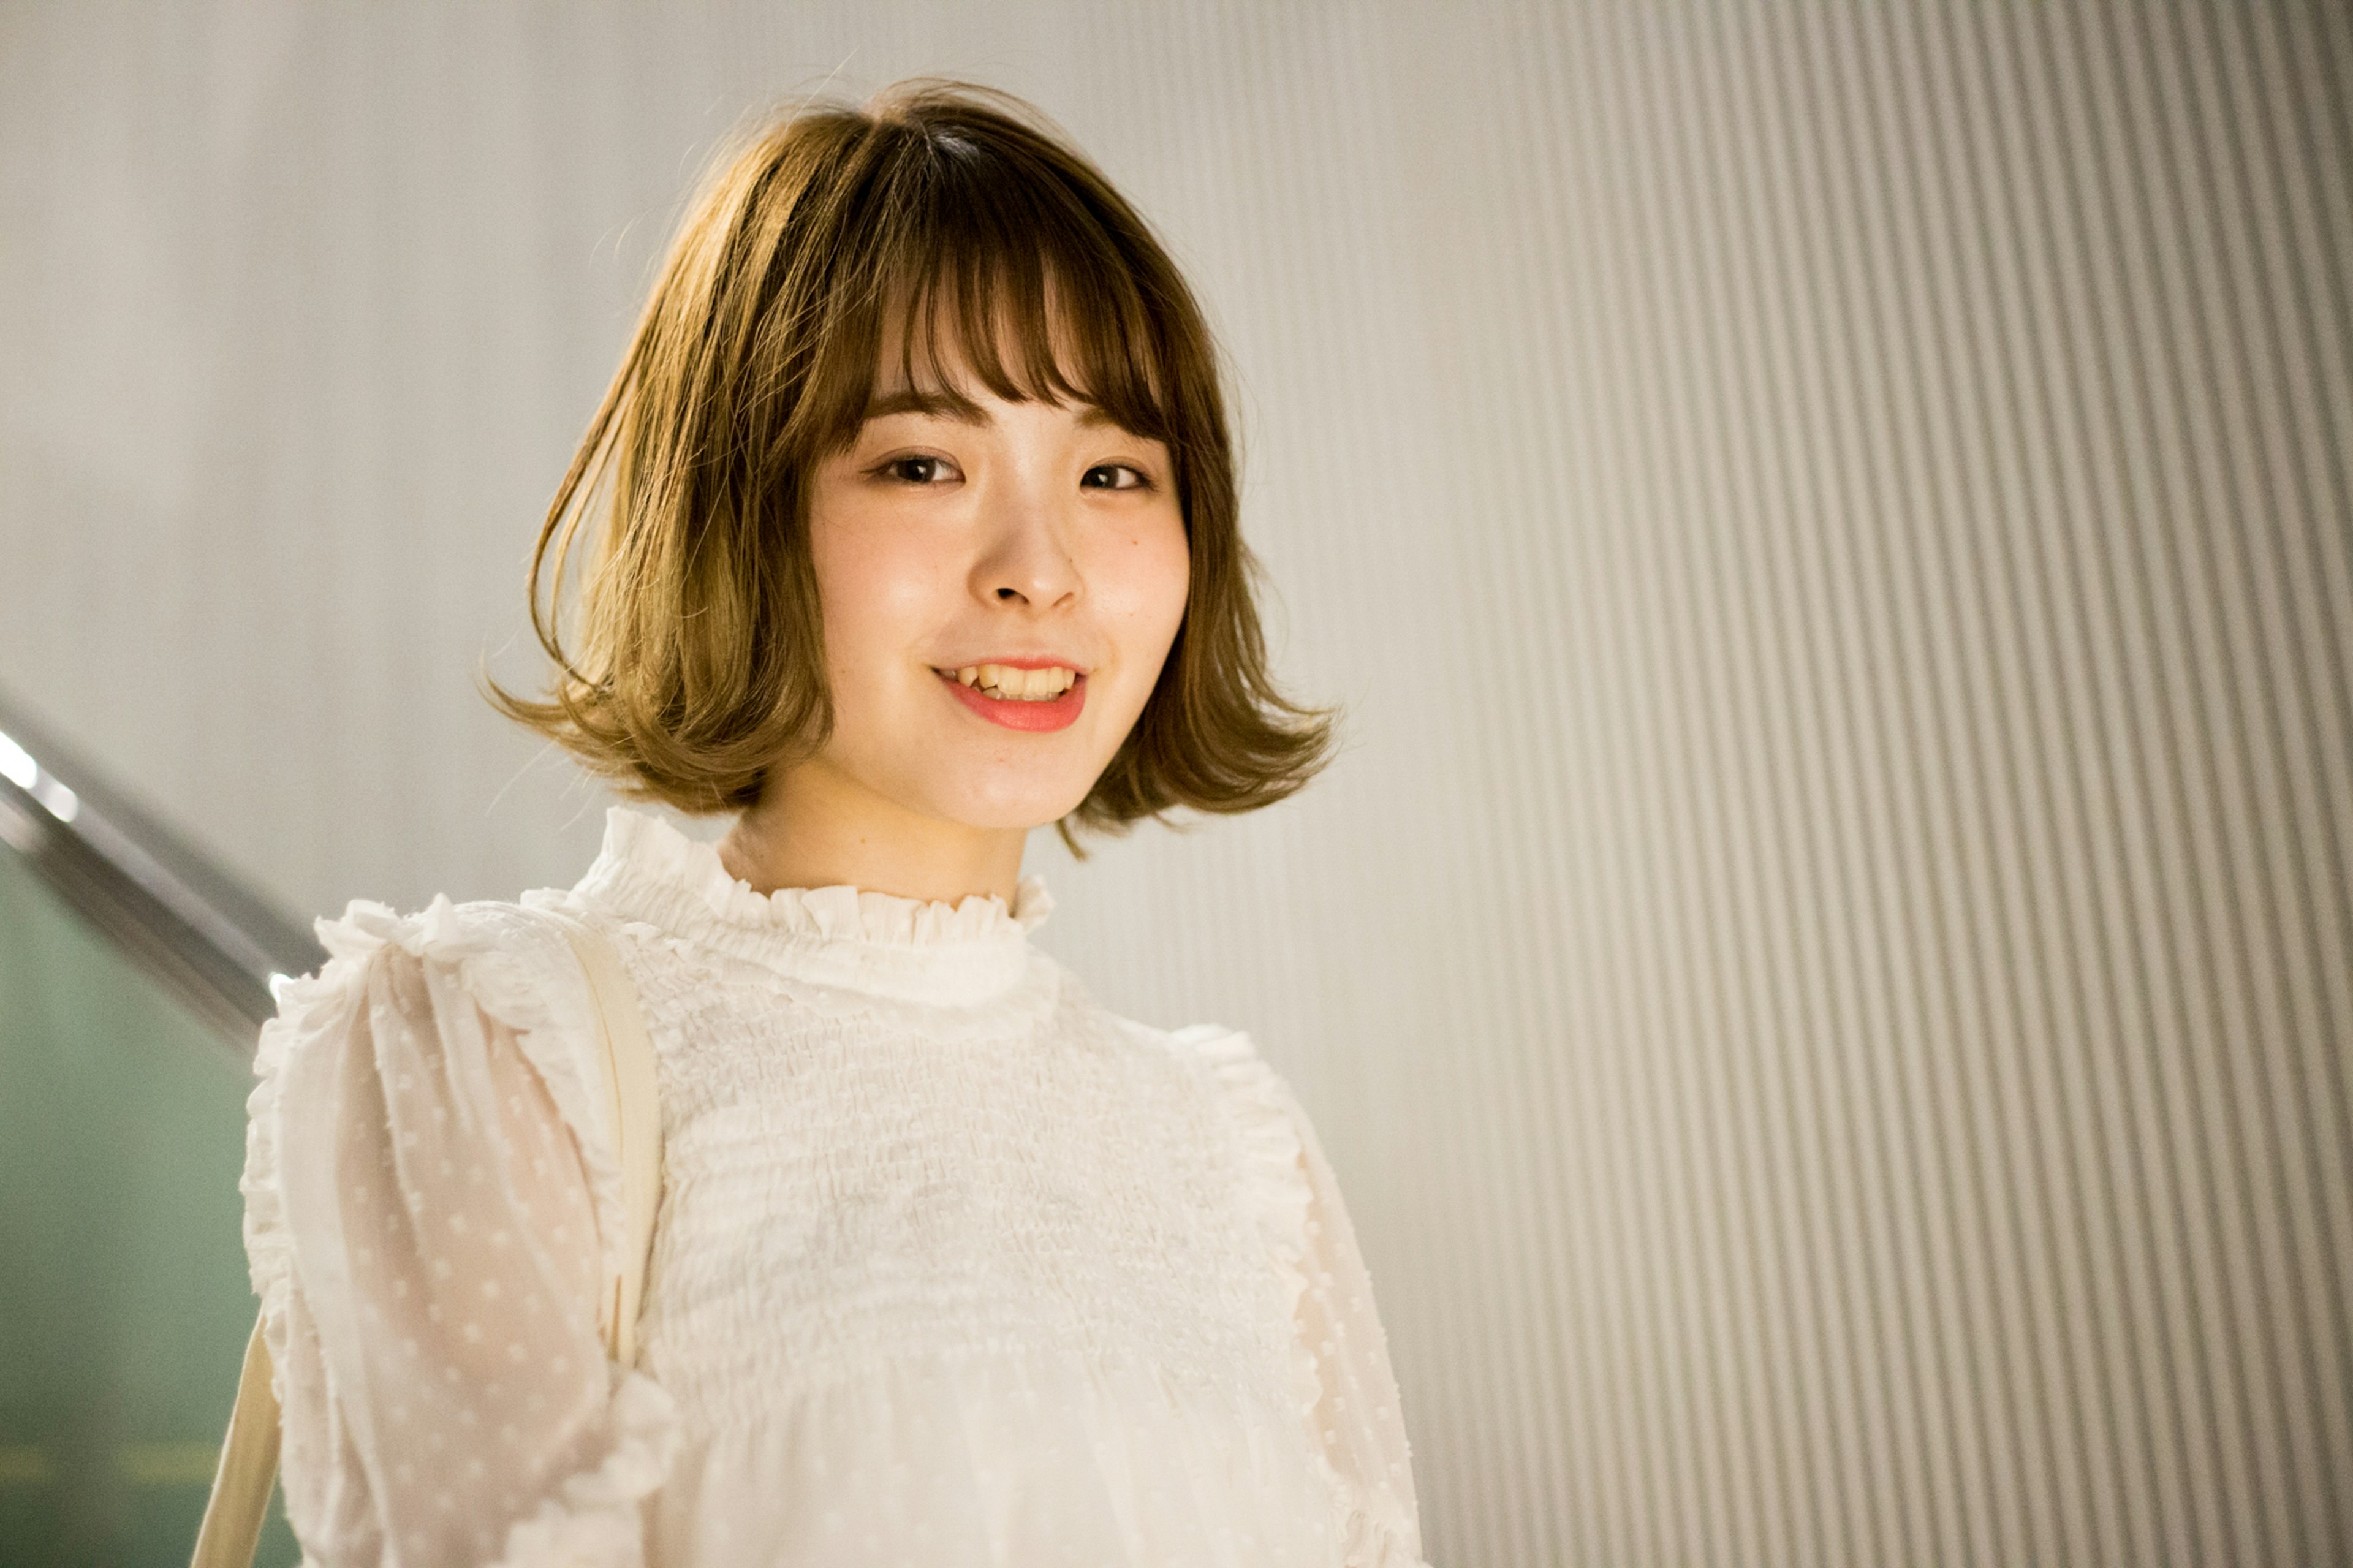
x=492, y=940
x=425, y=972
x=1228, y=1059
x=1268, y=1130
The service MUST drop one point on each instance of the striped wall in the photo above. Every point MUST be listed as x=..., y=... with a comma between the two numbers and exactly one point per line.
x=1826, y=966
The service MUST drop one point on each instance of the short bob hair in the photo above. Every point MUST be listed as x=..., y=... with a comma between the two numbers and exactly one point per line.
x=961, y=214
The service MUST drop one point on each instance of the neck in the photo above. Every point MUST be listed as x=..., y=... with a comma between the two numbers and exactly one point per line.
x=814, y=828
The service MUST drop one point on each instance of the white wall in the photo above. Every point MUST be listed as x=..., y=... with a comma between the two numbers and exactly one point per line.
x=1824, y=966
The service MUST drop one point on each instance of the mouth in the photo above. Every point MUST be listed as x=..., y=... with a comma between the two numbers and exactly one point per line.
x=1016, y=698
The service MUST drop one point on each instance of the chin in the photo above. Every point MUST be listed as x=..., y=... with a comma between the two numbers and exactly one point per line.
x=1007, y=818
x=1014, y=807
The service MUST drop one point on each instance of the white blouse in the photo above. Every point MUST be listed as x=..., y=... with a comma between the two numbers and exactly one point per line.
x=951, y=1266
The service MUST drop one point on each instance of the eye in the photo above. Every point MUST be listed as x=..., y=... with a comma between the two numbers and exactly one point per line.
x=1106, y=477
x=916, y=470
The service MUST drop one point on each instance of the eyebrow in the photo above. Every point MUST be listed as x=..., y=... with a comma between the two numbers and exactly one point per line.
x=963, y=410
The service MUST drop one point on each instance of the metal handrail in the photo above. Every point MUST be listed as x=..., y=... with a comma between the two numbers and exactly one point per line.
x=172, y=911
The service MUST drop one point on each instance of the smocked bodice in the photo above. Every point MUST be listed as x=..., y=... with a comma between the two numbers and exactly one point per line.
x=952, y=1265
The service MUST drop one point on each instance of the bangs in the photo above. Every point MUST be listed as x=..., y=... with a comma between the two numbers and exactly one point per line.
x=980, y=263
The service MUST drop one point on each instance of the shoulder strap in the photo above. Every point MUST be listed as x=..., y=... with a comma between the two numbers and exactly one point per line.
x=249, y=1461
x=248, y=1467
x=632, y=1100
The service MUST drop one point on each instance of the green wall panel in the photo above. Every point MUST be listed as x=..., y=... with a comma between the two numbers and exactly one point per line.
x=124, y=1302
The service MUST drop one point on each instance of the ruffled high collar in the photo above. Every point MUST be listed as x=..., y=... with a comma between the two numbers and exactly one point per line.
x=912, y=949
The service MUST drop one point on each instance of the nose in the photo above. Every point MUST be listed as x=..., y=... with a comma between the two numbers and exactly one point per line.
x=1028, y=559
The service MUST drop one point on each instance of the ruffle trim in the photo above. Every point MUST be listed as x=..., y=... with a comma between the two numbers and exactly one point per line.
x=845, y=913
x=1377, y=1539
x=933, y=954
x=720, y=955
x=506, y=959
x=1373, y=1531
x=1275, y=1179
x=593, y=1517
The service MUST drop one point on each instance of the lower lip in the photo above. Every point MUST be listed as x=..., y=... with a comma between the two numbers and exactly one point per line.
x=1015, y=714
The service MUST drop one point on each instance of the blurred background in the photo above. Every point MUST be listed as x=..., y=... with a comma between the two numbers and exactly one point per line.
x=1826, y=964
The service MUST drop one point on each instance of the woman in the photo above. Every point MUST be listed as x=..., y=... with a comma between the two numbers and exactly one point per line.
x=913, y=527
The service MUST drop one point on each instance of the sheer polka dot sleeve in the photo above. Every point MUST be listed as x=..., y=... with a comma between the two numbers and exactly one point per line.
x=423, y=1229
x=1342, y=1382
x=1357, y=1416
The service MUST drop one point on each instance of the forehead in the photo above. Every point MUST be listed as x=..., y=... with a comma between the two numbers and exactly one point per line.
x=941, y=361
x=966, y=409
x=941, y=341
x=940, y=330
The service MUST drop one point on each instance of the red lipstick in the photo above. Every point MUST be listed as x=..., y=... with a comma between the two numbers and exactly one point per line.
x=1015, y=713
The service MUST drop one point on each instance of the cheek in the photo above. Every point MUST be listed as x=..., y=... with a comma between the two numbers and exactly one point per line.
x=1156, y=571
x=875, y=586
x=1140, y=585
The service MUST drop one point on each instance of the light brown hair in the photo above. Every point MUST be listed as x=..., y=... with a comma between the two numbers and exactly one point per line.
x=960, y=214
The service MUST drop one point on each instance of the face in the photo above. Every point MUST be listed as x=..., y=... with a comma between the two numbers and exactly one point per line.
x=999, y=595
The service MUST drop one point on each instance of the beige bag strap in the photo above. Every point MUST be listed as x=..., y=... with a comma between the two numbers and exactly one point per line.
x=248, y=1466
x=632, y=1100
x=248, y=1459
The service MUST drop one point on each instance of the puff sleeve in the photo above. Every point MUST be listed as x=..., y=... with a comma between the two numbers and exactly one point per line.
x=1345, y=1388
x=423, y=1225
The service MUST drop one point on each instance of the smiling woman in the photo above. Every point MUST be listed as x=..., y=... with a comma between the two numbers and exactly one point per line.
x=941, y=255
x=911, y=527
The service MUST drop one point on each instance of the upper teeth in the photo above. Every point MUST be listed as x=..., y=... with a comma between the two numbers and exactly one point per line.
x=1023, y=684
